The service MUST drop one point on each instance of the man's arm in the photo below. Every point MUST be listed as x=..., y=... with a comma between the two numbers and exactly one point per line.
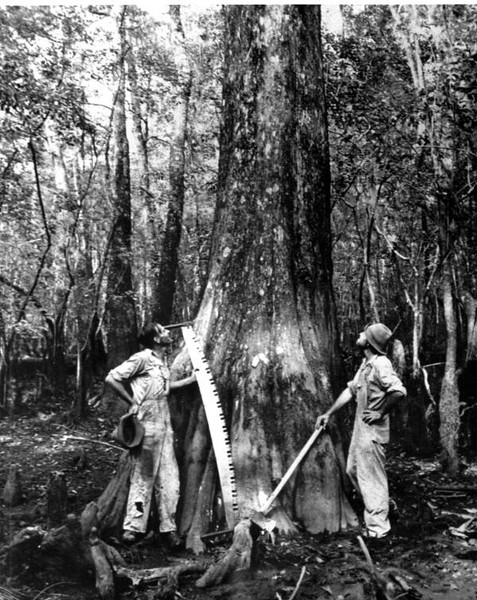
x=174, y=385
x=390, y=400
x=345, y=397
x=120, y=389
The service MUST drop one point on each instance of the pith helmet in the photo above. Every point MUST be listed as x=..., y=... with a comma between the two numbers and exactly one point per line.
x=129, y=432
x=378, y=336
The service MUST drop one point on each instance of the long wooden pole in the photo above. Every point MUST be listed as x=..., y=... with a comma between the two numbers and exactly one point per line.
x=266, y=507
x=291, y=469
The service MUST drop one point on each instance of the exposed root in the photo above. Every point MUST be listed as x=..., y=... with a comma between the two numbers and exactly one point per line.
x=238, y=557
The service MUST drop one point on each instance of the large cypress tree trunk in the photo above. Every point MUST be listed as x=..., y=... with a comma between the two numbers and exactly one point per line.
x=268, y=316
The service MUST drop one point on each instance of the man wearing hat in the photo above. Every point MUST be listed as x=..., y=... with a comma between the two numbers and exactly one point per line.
x=376, y=389
x=143, y=381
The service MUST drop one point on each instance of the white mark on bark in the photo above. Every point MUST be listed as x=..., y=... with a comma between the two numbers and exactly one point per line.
x=260, y=357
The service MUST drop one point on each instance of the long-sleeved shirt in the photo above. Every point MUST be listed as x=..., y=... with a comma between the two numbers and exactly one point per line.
x=146, y=373
x=373, y=381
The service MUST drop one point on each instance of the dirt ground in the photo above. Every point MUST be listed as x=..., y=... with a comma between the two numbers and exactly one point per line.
x=432, y=553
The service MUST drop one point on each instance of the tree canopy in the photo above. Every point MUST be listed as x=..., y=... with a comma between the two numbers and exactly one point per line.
x=78, y=82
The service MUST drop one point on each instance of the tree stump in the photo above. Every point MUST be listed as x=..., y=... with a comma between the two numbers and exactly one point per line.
x=64, y=548
x=105, y=558
x=23, y=549
x=74, y=548
x=56, y=499
x=12, y=491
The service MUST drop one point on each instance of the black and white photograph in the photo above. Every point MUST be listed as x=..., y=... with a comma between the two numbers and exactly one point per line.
x=238, y=301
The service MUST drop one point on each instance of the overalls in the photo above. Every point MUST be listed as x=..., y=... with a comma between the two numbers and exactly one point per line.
x=155, y=469
x=366, y=465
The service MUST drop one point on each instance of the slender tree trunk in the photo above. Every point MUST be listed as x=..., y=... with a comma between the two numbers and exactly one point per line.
x=439, y=127
x=148, y=208
x=3, y=363
x=468, y=376
x=448, y=403
x=120, y=305
x=373, y=192
x=267, y=318
x=442, y=152
x=166, y=280
x=470, y=308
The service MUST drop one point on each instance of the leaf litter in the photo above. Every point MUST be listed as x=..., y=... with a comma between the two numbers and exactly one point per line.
x=432, y=553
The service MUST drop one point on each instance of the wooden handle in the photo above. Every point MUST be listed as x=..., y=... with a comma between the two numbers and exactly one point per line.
x=292, y=467
x=177, y=325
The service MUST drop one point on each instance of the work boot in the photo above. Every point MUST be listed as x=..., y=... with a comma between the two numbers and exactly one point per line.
x=129, y=537
x=378, y=543
x=393, y=510
x=173, y=539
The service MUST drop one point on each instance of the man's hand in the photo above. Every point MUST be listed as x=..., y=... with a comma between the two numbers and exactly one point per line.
x=322, y=421
x=179, y=383
x=371, y=416
x=133, y=409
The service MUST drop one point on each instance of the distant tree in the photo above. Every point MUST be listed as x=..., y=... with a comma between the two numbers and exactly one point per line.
x=428, y=36
x=42, y=112
x=120, y=303
x=165, y=280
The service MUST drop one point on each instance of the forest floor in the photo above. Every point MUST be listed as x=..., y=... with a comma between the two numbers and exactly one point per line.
x=431, y=555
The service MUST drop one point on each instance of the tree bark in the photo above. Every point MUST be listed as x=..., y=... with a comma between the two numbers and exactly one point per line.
x=449, y=397
x=149, y=214
x=470, y=309
x=120, y=305
x=56, y=499
x=166, y=278
x=267, y=318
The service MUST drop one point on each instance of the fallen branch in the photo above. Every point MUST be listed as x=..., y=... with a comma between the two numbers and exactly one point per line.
x=9, y=594
x=295, y=591
x=464, y=489
x=366, y=553
x=452, y=496
x=394, y=576
x=47, y=589
x=401, y=581
x=140, y=576
x=379, y=581
x=451, y=513
x=83, y=439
